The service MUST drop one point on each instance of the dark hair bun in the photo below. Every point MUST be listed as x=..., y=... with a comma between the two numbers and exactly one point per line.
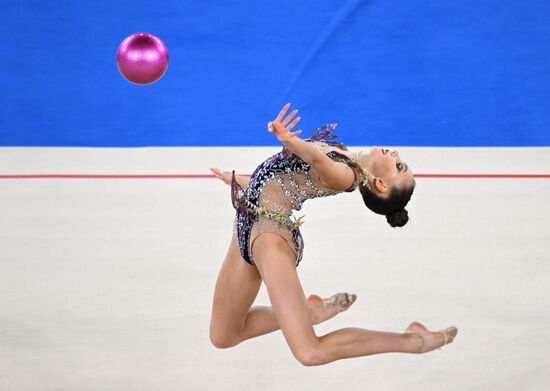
x=398, y=218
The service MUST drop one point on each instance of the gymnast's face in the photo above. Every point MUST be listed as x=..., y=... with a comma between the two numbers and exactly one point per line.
x=389, y=169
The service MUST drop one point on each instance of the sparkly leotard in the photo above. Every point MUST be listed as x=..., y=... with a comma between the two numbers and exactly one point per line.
x=278, y=185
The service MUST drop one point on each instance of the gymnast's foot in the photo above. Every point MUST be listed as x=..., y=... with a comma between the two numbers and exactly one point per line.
x=324, y=309
x=432, y=339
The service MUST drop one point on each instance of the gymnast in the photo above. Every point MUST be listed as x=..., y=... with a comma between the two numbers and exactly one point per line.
x=267, y=246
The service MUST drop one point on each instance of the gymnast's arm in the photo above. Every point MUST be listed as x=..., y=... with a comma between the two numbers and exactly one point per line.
x=336, y=176
x=225, y=177
x=333, y=175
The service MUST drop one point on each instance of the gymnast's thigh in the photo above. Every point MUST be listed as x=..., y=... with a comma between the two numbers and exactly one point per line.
x=236, y=288
x=274, y=238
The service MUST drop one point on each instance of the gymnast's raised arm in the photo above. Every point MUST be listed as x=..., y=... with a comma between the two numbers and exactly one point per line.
x=334, y=175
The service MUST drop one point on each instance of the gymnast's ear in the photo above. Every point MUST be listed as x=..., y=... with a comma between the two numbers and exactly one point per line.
x=381, y=185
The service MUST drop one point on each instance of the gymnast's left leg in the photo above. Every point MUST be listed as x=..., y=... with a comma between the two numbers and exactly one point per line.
x=276, y=264
x=233, y=319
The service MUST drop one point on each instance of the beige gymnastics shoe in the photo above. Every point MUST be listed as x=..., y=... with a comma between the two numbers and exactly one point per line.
x=450, y=334
x=418, y=328
x=342, y=301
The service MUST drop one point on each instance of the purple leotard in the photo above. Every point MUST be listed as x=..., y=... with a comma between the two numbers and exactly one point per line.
x=281, y=184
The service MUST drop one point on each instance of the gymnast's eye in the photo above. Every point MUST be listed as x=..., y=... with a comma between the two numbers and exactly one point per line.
x=399, y=166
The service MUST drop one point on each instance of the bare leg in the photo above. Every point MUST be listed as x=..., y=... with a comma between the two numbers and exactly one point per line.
x=351, y=342
x=236, y=288
x=233, y=320
x=356, y=342
x=276, y=265
x=261, y=320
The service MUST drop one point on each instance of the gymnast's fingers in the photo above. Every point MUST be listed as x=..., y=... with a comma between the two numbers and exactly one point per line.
x=282, y=113
x=293, y=124
x=217, y=172
x=289, y=117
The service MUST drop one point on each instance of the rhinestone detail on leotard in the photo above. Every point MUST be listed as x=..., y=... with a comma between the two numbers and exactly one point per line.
x=280, y=184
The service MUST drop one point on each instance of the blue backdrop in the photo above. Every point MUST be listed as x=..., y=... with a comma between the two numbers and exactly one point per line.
x=406, y=73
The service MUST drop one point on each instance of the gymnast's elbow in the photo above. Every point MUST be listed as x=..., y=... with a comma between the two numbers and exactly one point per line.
x=335, y=176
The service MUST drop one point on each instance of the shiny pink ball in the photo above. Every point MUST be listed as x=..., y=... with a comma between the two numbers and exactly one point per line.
x=142, y=58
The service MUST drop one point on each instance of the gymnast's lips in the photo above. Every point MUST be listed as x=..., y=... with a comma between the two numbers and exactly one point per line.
x=384, y=151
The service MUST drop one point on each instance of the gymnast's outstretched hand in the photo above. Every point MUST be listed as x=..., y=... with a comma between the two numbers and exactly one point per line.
x=280, y=127
x=224, y=176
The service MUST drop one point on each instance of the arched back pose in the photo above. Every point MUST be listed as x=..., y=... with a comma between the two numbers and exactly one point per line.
x=267, y=245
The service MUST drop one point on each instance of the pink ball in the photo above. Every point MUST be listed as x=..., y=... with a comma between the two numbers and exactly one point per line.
x=142, y=58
